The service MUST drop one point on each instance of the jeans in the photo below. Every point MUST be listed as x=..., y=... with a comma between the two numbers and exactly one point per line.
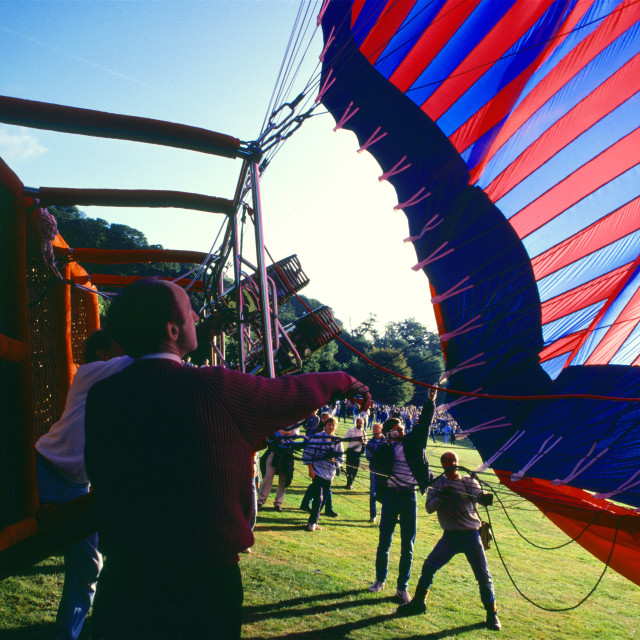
x=308, y=496
x=373, y=487
x=82, y=560
x=469, y=543
x=402, y=505
x=320, y=490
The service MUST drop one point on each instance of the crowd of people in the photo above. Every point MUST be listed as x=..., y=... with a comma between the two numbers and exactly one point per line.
x=170, y=451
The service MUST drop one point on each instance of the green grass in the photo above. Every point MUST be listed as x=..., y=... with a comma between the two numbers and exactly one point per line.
x=314, y=585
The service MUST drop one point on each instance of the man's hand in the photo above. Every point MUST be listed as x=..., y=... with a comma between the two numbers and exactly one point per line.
x=447, y=493
x=432, y=394
x=356, y=392
x=485, y=499
x=312, y=473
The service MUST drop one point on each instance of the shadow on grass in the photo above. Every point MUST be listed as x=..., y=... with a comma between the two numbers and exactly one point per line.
x=33, y=632
x=286, y=608
x=342, y=630
x=36, y=570
x=306, y=606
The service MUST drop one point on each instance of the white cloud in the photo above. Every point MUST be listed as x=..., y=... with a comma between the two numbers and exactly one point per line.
x=18, y=145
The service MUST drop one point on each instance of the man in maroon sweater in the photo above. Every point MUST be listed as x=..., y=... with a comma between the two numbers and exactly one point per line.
x=168, y=451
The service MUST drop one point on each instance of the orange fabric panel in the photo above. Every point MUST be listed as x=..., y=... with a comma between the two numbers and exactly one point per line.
x=601, y=524
x=16, y=532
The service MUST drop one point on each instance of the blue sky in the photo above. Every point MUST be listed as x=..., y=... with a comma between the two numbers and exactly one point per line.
x=212, y=64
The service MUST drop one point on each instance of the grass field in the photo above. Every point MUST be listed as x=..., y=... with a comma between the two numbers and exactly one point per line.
x=314, y=585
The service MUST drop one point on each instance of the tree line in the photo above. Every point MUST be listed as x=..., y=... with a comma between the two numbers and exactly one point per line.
x=406, y=346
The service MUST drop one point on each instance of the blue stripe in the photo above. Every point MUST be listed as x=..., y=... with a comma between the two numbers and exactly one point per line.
x=407, y=35
x=581, y=31
x=598, y=263
x=595, y=206
x=466, y=38
x=628, y=352
x=503, y=71
x=366, y=20
x=605, y=65
x=554, y=366
x=475, y=153
x=608, y=319
x=569, y=324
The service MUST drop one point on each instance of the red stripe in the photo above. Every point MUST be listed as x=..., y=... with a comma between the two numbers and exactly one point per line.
x=587, y=294
x=390, y=20
x=515, y=22
x=611, y=163
x=452, y=15
x=355, y=10
x=496, y=110
x=625, y=323
x=566, y=69
x=563, y=345
x=616, y=225
x=611, y=299
x=599, y=103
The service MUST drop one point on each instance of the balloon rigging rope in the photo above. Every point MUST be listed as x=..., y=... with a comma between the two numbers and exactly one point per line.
x=365, y=467
x=362, y=356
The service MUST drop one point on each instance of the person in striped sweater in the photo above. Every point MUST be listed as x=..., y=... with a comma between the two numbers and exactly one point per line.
x=169, y=453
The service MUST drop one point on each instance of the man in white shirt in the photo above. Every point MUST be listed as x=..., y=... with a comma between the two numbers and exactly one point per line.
x=62, y=477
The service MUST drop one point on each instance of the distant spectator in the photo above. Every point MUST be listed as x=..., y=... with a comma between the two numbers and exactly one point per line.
x=355, y=448
x=323, y=454
x=372, y=446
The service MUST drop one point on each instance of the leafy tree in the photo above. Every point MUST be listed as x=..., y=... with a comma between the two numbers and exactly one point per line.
x=79, y=230
x=385, y=387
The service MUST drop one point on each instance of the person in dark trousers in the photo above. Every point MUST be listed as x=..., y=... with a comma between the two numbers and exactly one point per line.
x=169, y=452
x=372, y=446
x=355, y=449
x=305, y=503
x=402, y=462
x=324, y=456
x=455, y=499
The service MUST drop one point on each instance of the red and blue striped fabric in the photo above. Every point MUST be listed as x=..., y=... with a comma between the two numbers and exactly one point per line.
x=541, y=101
x=510, y=131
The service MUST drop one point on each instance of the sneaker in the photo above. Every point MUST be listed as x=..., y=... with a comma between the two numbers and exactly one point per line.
x=377, y=586
x=313, y=527
x=372, y=521
x=349, y=487
x=331, y=514
x=403, y=596
x=278, y=508
x=493, y=622
x=413, y=608
x=247, y=550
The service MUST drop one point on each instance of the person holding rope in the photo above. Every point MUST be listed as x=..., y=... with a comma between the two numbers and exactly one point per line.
x=355, y=449
x=277, y=460
x=324, y=455
x=455, y=499
x=372, y=446
x=169, y=452
x=403, y=463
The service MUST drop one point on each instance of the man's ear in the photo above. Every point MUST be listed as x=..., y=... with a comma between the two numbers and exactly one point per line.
x=172, y=330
